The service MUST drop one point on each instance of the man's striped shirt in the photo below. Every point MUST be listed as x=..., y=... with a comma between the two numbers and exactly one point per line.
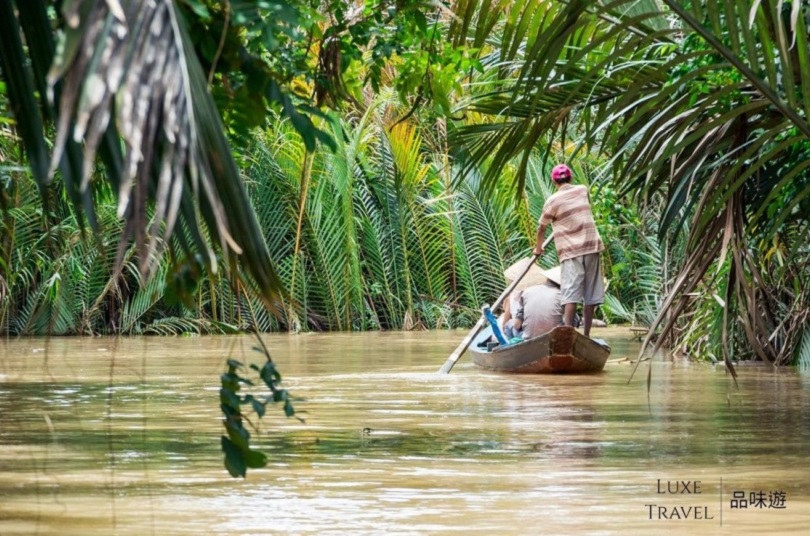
x=568, y=211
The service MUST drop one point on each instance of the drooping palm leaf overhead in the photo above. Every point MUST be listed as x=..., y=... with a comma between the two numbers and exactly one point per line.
x=705, y=103
x=128, y=67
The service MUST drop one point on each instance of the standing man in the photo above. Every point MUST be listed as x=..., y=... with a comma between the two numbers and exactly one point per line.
x=568, y=211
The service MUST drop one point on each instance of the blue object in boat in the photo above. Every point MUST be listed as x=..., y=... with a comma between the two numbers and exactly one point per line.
x=493, y=322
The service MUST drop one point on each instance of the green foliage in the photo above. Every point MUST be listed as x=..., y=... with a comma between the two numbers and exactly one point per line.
x=385, y=242
x=294, y=57
x=58, y=280
x=803, y=350
x=377, y=236
x=164, y=152
x=701, y=117
x=174, y=176
x=239, y=456
x=689, y=120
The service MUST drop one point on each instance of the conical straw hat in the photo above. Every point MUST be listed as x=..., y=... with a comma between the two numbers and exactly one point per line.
x=554, y=275
x=533, y=277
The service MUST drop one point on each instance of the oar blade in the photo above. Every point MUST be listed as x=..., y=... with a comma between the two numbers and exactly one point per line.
x=461, y=348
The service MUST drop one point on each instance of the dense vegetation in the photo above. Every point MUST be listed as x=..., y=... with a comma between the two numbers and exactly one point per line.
x=381, y=241
x=395, y=157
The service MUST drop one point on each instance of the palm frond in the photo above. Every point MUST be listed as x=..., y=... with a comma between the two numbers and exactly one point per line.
x=803, y=350
x=133, y=62
x=20, y=89
x=703, y=112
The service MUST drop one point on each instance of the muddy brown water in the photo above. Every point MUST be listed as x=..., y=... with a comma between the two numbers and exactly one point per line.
x=121, y=436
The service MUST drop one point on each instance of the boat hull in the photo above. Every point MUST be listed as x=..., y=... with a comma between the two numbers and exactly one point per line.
x=561, y=351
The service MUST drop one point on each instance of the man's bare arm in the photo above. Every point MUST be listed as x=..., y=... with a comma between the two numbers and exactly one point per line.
x=541, y=234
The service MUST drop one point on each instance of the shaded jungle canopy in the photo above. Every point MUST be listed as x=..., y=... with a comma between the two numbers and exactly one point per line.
x=376, y=165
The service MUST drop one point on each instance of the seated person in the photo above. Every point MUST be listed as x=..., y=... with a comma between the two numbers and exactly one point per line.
x=533, y=310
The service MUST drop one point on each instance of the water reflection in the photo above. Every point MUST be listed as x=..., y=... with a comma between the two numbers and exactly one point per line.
x=101, y=436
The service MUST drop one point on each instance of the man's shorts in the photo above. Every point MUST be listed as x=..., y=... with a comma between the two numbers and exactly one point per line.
x=582, y=280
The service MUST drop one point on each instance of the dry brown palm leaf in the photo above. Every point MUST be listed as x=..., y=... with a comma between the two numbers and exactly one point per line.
x=131, y=62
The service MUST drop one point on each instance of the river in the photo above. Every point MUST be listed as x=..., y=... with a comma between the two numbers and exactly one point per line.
x=121, y=436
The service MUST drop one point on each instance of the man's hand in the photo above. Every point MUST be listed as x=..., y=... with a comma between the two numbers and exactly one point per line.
x=517, y=324
x=541, y=241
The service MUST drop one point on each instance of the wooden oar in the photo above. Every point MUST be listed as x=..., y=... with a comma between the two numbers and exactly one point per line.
x=451, y=361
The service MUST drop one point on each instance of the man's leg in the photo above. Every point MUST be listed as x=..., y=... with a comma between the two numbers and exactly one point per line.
x=594, y=290
x=587, y=317
x=570, y=309
x=572, y=272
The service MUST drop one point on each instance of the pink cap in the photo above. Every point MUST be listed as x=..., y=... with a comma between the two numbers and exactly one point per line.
x=561, y=172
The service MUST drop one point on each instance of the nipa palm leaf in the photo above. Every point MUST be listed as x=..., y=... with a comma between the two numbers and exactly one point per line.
x=131, y=62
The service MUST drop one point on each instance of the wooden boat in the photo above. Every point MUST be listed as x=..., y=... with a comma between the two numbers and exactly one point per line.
x=561, y=350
